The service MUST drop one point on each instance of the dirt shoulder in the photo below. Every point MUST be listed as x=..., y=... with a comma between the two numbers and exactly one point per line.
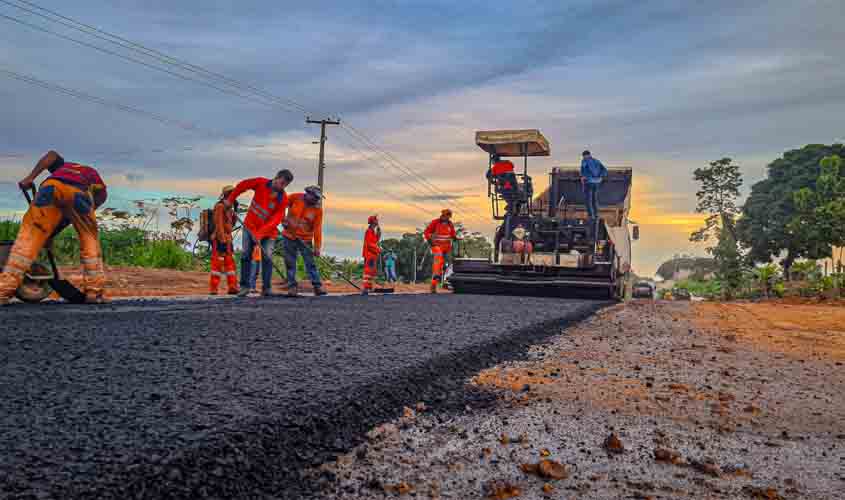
x=124, y=281
x=705, y=400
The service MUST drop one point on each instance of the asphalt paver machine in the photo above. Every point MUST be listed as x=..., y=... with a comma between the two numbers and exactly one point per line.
x=546, y=244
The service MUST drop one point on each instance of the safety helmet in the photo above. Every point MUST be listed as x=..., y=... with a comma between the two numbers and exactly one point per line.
x=446, y=213
x=373, y=219
x=314, y=191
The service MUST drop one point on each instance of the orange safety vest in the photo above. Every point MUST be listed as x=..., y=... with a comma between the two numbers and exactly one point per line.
x=440, y=233
x=303, y=222
x=502, y=167
x=267, y=208
x=371, y=247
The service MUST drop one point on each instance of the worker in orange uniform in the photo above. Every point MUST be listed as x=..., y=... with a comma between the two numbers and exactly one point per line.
x=222, y=251
x=371, y=253
x=502, y=175
x=70, y=195
x=303, y=234
x=439, y=234
x=265, y=213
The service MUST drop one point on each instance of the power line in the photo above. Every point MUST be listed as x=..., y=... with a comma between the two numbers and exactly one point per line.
x=77, y=94
x=287, y=104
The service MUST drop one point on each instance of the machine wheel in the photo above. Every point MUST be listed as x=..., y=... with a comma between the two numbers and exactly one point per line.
x=34, y=291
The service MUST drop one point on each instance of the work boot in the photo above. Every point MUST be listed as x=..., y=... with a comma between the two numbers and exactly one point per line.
x=267, y=292
x=293, y=292
x=318, y=291
x=96, y=298
x=233, y=291
x=244, y=292
x=213, y=292
x=433, y=288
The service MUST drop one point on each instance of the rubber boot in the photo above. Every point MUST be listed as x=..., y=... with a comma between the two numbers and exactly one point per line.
x=96, y=298
x=292, y=291
x=433, y=288
x=318, y=291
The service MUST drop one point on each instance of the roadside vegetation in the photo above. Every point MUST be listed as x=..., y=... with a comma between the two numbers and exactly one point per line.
x=771, y=245
x=137, y=238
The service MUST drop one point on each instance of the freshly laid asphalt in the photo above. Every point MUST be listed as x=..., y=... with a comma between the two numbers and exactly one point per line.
x=233, y=398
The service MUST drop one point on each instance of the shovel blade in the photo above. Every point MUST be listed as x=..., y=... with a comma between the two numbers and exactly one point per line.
x=67, y=291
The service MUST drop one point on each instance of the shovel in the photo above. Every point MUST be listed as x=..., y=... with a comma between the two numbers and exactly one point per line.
x=64, y=288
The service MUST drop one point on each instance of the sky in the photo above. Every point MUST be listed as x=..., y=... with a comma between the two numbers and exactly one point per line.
x=662, y=87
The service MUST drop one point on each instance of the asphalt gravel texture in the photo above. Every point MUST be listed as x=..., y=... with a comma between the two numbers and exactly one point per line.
x=234, y=398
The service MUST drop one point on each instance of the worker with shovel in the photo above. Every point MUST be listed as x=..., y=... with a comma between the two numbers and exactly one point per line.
x=265, y=213
x=371, y=252
x=303, y=234
x=439, y=234
x=70, y=195
x=222, y=251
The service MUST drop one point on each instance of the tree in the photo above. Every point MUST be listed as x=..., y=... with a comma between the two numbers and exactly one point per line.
x=768, y=227
x=823, y=208
x=720, y=183
x=472, y=244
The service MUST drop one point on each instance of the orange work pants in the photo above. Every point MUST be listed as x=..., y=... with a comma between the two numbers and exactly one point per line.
x=370, y=270
x=438, y=254
x=55, y=202
x=222, y=264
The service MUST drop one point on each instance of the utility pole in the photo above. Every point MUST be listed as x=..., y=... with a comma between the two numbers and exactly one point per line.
x=321, y=162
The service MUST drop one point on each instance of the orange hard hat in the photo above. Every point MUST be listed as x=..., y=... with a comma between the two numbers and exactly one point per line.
x=373, y=219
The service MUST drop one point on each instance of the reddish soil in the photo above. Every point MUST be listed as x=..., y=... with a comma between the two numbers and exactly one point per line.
x=144, y=282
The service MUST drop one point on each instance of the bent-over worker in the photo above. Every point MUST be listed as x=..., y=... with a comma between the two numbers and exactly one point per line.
x=70, y=195
x=439, y=234
x=303, y=234
x=261, y=224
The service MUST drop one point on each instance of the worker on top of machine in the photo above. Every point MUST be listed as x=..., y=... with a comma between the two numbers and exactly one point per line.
x=370, y=253
x=593, y=173
x=261, y=225
x=222, y=250
x=439, y=234
x=502, y=175
x=303, y=234
x=70, y=195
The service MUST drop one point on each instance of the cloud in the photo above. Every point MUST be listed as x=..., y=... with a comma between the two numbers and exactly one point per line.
x=661, y=86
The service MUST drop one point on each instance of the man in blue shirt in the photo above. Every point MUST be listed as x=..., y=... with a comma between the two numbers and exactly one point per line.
x=592, y=175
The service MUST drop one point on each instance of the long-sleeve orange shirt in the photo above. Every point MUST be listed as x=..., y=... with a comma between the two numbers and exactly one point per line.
x=267, y=208
x=224, y=223
x=440, y=233
x=304, y=222
x=371, y=247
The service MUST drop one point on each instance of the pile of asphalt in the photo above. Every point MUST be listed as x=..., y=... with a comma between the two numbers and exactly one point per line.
x=233, y=399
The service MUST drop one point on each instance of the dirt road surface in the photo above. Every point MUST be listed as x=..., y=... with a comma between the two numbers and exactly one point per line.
x=233, y=398
x=648, y=400
x=123, y=282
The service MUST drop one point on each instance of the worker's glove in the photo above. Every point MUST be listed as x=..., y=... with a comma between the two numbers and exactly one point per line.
x=222, y=247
